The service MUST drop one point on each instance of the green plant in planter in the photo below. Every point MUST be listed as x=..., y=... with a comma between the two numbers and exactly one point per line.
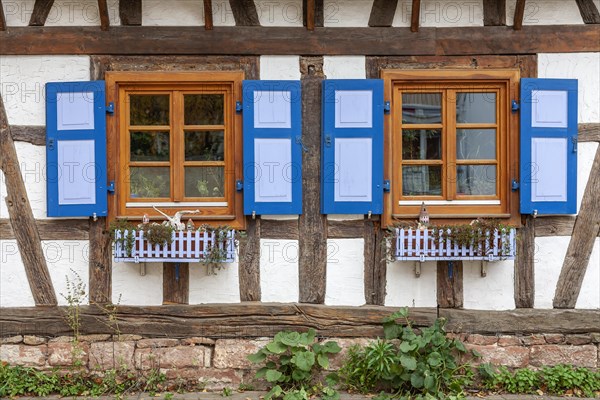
x=161, y=234
x=292, y=362
x=126, y=240
x=475, y=234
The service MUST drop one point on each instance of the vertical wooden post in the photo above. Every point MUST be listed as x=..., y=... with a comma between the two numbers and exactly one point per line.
x=494, y=12
x=525, y=265
x=130, y=12
x=375, y=262
x=2, y=18
x=100, y=263
x=415, y=15
x=519, y=13
x=104, y=18
x=22, y=220
x=208, y=17
x=176, y=283
x=450, y=284
x=312, y=225
x=310, y=15
x=249, y=262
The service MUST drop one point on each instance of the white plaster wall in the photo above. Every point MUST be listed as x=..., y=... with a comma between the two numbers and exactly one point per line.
x=279, y=13
x=3, y=194
x=589, y=296
x=184, y=13
x=339, y=13
x=582, y=66
x=129, y=288
x=279, y=217
x=586, y=151
x=344, y=67
x=81, y=13
x=344, y=217
x=221, y=287
x=547, y=12
x=22, y=80
x=67, y=260
x=32, y=162
x=441, y=13
x=14, y=288
x=279, y=280
x=403, y=288
x=18, y=12
x=345, y=272
x=493, y=292
x=280, y=67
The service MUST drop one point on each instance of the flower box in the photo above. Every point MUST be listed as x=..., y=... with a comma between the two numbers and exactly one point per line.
x=433, y=245
x=186, y=246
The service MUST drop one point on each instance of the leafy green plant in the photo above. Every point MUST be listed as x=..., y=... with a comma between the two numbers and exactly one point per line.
x=417, y=363
x=75, y=296
x=226, y=392
x=292, y=362
x=158, y=234
x=122, y=225
x=479, y=234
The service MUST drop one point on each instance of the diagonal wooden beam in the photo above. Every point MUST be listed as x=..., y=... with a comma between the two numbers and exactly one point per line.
x=103, y=11
x=244, y=12
x=581, y=245
x=21, y=219
x=41, y=9
x=494, y=12
x=130, y=12
x=382, y=12
x=415, y=15
x=519, y=13
x=589, y=11
x=2, y=18
x=208, y=15
x=310, y=14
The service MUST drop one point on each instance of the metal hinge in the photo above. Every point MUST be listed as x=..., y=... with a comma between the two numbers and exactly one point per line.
x=386, y=107
x=110, y=108
x=514, y=185
x=111, y=187
x=239, y=185
x=386, y=185
x=238, y=107
x=515, y=106
x=574, y=141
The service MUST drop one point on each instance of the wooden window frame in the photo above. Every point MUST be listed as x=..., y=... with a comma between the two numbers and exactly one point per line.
x=118, y=85
x=506, y=81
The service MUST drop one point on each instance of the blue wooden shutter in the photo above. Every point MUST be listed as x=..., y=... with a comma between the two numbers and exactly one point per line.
x=352, y=176
x=76, y=149
x=548, y=146
x=272, y=147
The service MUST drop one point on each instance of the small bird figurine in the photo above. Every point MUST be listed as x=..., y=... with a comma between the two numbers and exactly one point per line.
x=423, y=217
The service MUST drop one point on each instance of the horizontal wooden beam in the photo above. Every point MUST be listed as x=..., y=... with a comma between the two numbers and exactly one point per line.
x=352, y=229
x=52, y=229
x=239, y=40
x=589, y=132
x=29, y=133
x=264, y=319
x=279, y=229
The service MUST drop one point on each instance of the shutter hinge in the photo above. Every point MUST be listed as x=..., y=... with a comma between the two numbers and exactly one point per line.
x=515, y=106
x=110, y=108
x=328, y=140
x=238, y=107
x=514, y=185
x=111, y=187
x=301, y=143
x=239, y=185
x=386, y=185
x=386, y=107
x=574, y=141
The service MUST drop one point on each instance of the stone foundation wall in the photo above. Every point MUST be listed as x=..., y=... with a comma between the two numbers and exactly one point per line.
x=222, y=363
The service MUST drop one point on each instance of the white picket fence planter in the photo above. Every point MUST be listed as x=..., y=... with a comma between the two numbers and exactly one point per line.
x=424, y=245
x=187, y=246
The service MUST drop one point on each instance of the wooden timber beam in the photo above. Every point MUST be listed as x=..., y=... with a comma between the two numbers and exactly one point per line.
x=249, y=261
x=208, y=15
x=103, y=12
x=519, y=13
x=494, y=12
x=52, y=229
x=266, y=319
x=382, y=12
x=589, y=11
x=21, y=218
x=318, y=13
x=525, y=265
x=130, y=12
x=2, y=18
x=244, y=12
x=310, y=15
x=239, y=40
x=415, y=15
x=585, y=231
x=41, y=9
x=588, y=132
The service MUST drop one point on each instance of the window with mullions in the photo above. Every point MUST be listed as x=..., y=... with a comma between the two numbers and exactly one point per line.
x=177, y=145
x=450, y=141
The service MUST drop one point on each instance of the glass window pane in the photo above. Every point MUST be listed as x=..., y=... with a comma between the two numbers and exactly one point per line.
x=149, y=182
x=476, y=144
x=149, y=109
x=476, y=108
x=204, y=146
x=204, y=182
x=476, y=180
x=149, y=146
x=421, y=108
x=421, y=144
x=421, y=180
x=203, y=109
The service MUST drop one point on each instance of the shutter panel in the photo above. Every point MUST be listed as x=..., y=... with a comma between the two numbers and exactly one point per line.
x=76, y=149
x=548, y=146
x=352, y=175
x=272, y=147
